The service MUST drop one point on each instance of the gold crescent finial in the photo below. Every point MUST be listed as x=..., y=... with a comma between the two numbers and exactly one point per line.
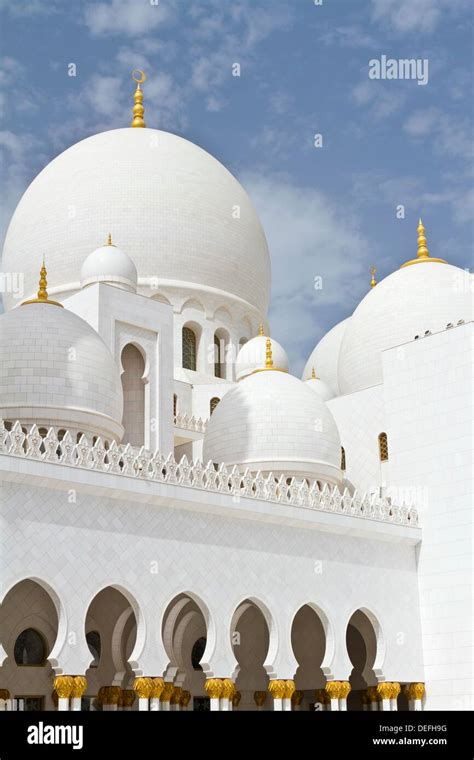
x=373, y=272
x=268, y=355
x=139, y=77
x=42, y=294
x=422, y=253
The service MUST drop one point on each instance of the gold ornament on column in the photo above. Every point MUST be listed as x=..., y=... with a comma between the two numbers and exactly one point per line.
x=63, y=686
x=344, y=689
x=143, y=687
x=395, y=690
x=128, y=697
x=384, y=689
x=297, y=698
x=167, y=692
x=416, y=690
x=158, y=685
x=236, y=699
x=289, y=689
x=228, y=688
x=333, y=689
x=372, y=694
x=185, y=698
x=214, y=688
x=79, y=686
x=277, y=688
x=176, y=695
x=260, y=697
x=139, y=77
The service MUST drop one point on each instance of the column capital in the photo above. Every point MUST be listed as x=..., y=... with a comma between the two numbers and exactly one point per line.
x=344, y=689
x=176, y=695
x=395, y=690
x=289, y=689
x=416, y=690
x=63, y=686
x=128, y=697
x=260, y=697
x=297, y=698
x=214, y=687
x=158, y=685
x=277, y=688
x=79, y=686
x=143, y=687
x=228, y=688
x=236, y=699
x=4, y=694
x=185, y=698
x=372, y=694
x=333, y=689
x=384, y=689
x=167, y=692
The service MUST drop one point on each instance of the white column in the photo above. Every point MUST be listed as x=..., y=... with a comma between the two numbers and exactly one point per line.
x=384, y=690
x=63, y=686
x=76, y=704
x=395, y=691
x=214, y=687
x=416, y=692
x=333, y=689
x=154, y=704
x=63, y=704
x=143, y=687
x=277, y=689
x=344, y=691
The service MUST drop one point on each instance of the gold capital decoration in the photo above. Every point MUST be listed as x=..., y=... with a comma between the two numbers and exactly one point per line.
x=344, y=689
x=277, y=688
x=113, y=694
x=384, y=689
x=158, y=685
x=236, y=699
x=289, y=689
x=4, y=694
x=416, y=690
x=373, y=272
x=79, y=686
x=227, y=688
x=176, y=695
x=297, y=698
x=395, y=690
x=260, y=697
x=185, y=698
x=333, y=689
x=214, y=687
x=138, y=109
x=422, y=253
x=63, y=686
x=167, y=692
x=143, y=687
x=372, y=694
x=128, y=697
x=42, y=294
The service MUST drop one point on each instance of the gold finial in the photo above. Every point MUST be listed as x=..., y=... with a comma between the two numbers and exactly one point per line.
x=373, y=272
x=313, y=374
x=268, y=355
x=109, y=240
x=42, y=295
x=422, y=253
x=139, y=77
x=260, y=329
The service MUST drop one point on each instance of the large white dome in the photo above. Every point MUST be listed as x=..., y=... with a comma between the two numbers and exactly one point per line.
x=57, y=371
x=179, y=214
x=325, y=357
x=271, y=421
x=424, y=296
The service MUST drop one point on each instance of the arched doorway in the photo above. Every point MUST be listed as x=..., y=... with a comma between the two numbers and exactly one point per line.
x=250, y=639
x=361, y=642
x=29, y=628
x=184, y=633
x=111, y=630
x=133, y=385
x=308, y=640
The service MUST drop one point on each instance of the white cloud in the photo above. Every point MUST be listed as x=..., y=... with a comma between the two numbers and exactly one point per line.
x=351, y=36
x=419, y=16
x=449, y=135
x=128, y=17
x=308, y=236
x=381, y=97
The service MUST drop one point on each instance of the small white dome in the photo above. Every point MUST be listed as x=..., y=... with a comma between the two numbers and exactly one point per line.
x=110, y=265
x=57, y=371
x=325, y=357
x=424, y=296
x=320, y=387
x=273, y=422
x=252, y=356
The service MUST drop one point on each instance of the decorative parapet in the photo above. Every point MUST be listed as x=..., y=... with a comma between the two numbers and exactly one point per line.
x=125, y=461
x=188, y=422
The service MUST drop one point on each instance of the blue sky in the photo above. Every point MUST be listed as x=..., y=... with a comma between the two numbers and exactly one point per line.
x=328, y=211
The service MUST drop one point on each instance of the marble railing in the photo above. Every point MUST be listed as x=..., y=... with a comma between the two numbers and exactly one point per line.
x=188, y=422
x=124, y=461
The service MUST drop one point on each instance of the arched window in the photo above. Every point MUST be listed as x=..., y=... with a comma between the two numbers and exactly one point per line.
x=213, y=403
x=30, y=648
x=175, y=405
x=217, y=357
x=343, y=459
x=383, y=447
x=94, y=644
x=197, y=653
x=189, y=349
x=133, y=386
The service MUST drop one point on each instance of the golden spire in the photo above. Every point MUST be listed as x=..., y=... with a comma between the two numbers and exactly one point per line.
x=139, y=77
x=313, y=374
x=260, y=329
x=268, y=355
x=373, y=272
x=42, y=295
x=109, y=240
x=422, y=253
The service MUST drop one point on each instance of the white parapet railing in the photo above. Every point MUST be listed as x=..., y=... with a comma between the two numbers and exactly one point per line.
x=189, y=422
x=125, y=461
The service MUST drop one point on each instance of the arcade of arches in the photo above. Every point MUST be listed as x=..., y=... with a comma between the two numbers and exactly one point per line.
x=29, y=626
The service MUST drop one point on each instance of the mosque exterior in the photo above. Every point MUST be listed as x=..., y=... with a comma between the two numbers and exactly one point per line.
x=185, y=524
